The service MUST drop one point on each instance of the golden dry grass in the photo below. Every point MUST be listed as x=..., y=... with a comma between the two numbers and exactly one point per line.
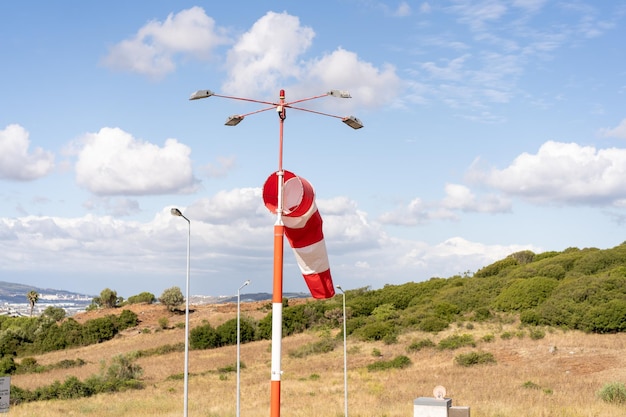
x=566, y=380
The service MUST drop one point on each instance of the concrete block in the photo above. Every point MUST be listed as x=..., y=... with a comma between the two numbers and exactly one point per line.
x=431, y=407
x=459, y=412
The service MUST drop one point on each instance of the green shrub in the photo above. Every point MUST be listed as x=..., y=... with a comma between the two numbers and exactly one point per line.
x=7, y=365
x=433, y=324
x=488, y=338
x=399, y=362
x=474, y=358
x=614, y=393
x=506, y=336
x=609, y=317
x=525, y=294
x=322, y=346
x=204, y=337
x=144, y=297
x=419, y=345
x=530, y=385
x=537, y=333
x=126, y=320
x=456, y=341
x=227, y=331
x=376, y=330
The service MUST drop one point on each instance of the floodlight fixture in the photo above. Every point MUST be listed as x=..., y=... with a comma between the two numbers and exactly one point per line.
x=353, y=122
x=340, y=93
x=234, y=120
x=201, y=94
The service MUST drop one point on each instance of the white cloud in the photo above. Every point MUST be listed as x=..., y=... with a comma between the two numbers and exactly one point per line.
x=112, y=162
x=618, y=131
x=153, y=49
x=231, y=240
x=16, y=161
x=561, y=173
x=271, y=53
x=267, y=53
x=370, y=86
x=459, y=198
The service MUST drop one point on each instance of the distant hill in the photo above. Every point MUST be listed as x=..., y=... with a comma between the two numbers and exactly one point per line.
x=13, y=299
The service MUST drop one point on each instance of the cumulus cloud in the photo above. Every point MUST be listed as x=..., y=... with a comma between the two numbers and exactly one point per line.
x=113, y=162
x=458, y=198
x=17, y=162
x=231, y=240
x=561, y=173
x=272, y=53
x=267, y=53
x=618, y=131
x=152, y=51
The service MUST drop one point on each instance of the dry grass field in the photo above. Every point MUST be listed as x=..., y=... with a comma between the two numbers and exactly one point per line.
x=555, y=376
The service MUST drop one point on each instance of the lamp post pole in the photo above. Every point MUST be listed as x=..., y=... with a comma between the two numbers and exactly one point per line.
x=279, y=228
x=238, y=346
x=177, y=212
x=345, y=355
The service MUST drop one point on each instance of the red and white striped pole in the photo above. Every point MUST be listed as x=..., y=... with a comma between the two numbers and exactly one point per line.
x=277, y=292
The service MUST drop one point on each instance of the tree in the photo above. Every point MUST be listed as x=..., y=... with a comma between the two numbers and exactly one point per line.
x=32, y=296
x=108, y=299
x=172, y=298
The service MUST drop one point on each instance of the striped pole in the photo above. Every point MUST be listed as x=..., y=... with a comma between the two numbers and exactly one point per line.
x=277, y=292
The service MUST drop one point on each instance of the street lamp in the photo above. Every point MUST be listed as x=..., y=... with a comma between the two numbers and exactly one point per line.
x=176, y=212
x=279, y=227
x=238, y=346
x=345, y=356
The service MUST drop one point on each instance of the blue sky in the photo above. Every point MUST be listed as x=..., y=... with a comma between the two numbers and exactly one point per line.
x=490, y=127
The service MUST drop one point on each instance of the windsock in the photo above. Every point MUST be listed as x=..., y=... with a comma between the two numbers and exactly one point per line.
x=303, y=229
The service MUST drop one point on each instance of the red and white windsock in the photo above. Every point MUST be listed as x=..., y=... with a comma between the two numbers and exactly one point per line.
x=303, y=229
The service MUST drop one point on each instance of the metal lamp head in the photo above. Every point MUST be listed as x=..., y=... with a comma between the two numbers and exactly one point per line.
x=340, y=93
x=353, y=122
x=233, y=120
x=201, y=94
x=176, y=212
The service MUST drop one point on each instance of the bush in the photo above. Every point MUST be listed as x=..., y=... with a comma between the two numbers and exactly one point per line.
x=204, y=337
x=322, y=346
x=7, y=365
x=606, y=318
x=376, y=331
x=474, y=358
x=525, y=294
x=537, y=333
x=399, y=362
x=227, y=332
x=144, y=297
x=433, y=324
x=126, y=320
x=456, y=341
x=614, y=393
x=98, y=330
x=419, y=345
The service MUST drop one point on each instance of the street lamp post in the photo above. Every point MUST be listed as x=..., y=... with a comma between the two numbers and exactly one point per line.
x=279, y=228
x=238, y=346
x=177, y=212
x=345, y=356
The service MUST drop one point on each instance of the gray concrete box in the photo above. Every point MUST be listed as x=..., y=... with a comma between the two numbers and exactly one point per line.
x=431, y=407
x=459, y=412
